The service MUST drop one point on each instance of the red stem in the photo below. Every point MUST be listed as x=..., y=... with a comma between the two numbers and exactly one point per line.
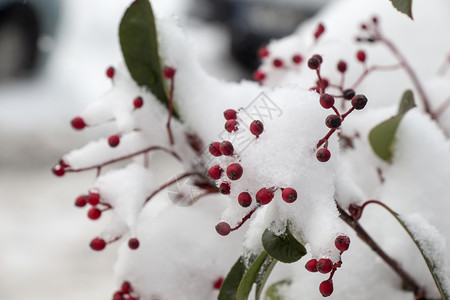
x=325, y=138
x=245, y=218
x=169, y=130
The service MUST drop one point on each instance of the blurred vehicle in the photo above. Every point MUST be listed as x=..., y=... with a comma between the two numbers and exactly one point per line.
x=253, y=23
x=26, y=30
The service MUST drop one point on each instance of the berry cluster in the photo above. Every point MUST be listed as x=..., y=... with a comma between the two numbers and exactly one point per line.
x=234, y=171
x=125, y=293
x=327, y=101
x=325, y=265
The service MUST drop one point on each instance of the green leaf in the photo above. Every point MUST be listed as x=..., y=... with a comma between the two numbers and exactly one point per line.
x=264, y=275
x=250, y=277
x=273, y=291
x=403, y=6
x=139, y=42
x=284, y=247
x=382, y=136
x=231, y=283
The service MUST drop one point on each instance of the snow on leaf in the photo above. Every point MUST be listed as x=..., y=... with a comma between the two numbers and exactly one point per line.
x=284, y=247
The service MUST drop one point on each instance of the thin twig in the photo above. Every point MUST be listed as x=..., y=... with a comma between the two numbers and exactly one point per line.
x=169, y=130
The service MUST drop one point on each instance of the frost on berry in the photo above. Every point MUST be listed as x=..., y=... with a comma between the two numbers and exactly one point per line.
x=342, y=243
x=223, y=228
x=224, y=188
x=256, y=128
x=231, y=125
x=230, y=114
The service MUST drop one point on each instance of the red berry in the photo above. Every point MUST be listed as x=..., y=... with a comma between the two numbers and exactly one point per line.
x=319, y=30
x=226, y=148
x=361, y=55
x=94, y=213
x=234, y=171
x=313, y=63
x=263, y=52
x=375, y=20
x=215, y=172
x=326, y=288
x=168, y=72
x=81, y=201
x=318, y=57
x=297, y=58
x=214, y=149
x=311, y=265
x=114, y=140
x=98, y=244
x=327, y=101
x=324, y=265
x=126, y=287
x=93, y=199
x=223, y=228
x=138, y=102
x=277, y=63
x=230, y=114
x=323, y=155
x=58, y=170
x=363, y=26
x=264, y=196
x=256, y=128
x=78, y=123
x=224, y=188
x=110, y=72
x=129, y=298
x=289, y=195
x=349, y=94
x=118, y=295
x=133, y=243
x=231, y=125
x=259, y=75
x=333, y=121
x=342, y=243
x=218, y=283
x=359, y=101
x=342, y=66
x=245, y=199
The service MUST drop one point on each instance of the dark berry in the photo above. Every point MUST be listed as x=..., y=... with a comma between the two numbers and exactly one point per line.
x=342, y=243
x=58, y=170
x=313, y=63
x=114, y=140
x=333, y=121
x=359, y=101
x=93, y=199
x=363, y=26
x=297, y=59
x=214, y=149
x=215, y=172
x=94, y=213
x=323, y=155
x=375, y=20
x=256, y=128
x=168, y=72
x=81, y=201
x=342, y=66
x=126, y=287
x=349, y=94
x=230, y=114
x=231, y=125
x=311, y=265
x=218, y=283
x=289, y=195
x=78, y=123
x=226, y=148
x=234, y=171
x=245, y=199
x=133, y=243
x=259, y=75
x=223, y=228
x=326, y=288
x=118, y=295
x=361, y=55
x=263, y=52
x=324, y=265
x=327, y=101
x=98, y=244
x=224, y=188
x=138, y=102
x=277, y=63
x=264, y=196
x=318, y=57
x=110, y=72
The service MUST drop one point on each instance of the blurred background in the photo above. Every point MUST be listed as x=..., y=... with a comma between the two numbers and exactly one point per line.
x=53, y=57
